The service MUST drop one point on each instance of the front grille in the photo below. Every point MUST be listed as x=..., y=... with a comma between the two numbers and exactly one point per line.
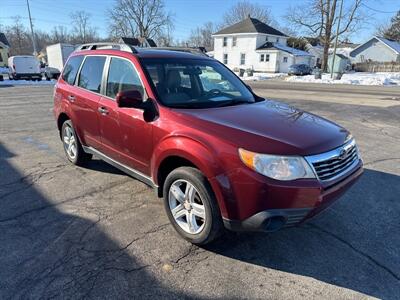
x=335, y=163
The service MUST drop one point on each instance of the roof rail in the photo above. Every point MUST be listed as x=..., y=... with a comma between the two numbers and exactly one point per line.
x=98, y=46
x=193, y=50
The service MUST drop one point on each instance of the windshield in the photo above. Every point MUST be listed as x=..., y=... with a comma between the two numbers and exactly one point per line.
x=194, y=83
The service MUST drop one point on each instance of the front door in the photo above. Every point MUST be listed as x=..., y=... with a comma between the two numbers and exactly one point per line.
x=126, y=136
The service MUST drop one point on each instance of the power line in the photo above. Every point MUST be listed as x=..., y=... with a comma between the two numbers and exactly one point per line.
x=379, y=11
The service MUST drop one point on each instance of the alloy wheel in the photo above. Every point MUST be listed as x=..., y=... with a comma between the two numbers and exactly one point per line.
x=70, y=144
x=186, y=206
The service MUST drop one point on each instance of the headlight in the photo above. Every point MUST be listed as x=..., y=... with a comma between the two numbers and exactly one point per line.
x=276, y=166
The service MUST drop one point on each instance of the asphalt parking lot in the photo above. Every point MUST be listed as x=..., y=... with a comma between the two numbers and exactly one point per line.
x=69, y=232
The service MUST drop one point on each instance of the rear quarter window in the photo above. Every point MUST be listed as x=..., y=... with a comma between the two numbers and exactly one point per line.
x=92, y=73
x=71, y=69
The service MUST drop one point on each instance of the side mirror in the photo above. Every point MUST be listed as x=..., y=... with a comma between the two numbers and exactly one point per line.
x=130, y=99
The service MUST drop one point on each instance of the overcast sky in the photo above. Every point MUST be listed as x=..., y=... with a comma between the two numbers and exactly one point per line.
x=187, y=13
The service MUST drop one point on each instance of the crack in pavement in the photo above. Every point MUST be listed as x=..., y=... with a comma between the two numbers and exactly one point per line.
x=363, y=254
x=91, y=192
x=381, y=160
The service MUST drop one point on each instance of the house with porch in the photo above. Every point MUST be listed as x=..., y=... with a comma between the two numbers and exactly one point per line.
x=252, y=44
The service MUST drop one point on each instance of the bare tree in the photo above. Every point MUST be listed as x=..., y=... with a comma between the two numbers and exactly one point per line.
x=243, y=9
x=319, y=17
x=18, y=37
x=391, y=30
x=83, y=32
x=42, y=40
x=59, y=34
x=202, y=36
x=139, y=18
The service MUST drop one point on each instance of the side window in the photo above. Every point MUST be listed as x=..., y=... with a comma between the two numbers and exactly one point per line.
x=91, y=73
x=242, y=58
x=225, y=42
x=225, y=59
x=71, y=68
x=122, y=76
x=234, y=41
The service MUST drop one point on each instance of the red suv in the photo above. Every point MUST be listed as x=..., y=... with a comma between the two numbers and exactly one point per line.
x=219, y=155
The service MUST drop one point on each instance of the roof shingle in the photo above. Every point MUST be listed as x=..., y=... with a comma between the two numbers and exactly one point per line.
x=4, y=40
x=250, y=25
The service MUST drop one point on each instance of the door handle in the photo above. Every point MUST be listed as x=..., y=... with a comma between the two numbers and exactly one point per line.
x=103, y=110
x=71, y=98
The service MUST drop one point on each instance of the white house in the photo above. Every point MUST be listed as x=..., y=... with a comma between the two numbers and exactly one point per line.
x=377, y=49
x=252, y=44
x=316, y=50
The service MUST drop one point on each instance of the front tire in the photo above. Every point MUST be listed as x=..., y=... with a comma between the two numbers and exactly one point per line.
x=191, y=206
x=72, y=146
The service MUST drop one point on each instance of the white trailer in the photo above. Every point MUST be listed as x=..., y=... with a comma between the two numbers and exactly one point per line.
x=57, y=55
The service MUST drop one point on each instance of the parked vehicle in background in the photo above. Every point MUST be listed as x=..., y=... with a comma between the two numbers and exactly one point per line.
x=300, y=69
x=218, y=154
x=57, y=55
x=24, y=67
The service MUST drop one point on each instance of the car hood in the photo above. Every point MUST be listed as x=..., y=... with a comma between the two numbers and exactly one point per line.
x=268, y=127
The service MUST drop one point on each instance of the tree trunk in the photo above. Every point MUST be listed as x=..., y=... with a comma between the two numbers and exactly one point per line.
x=324, y=66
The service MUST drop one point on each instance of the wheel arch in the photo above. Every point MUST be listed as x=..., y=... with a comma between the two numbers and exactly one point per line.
x=180, y=152
x=62, y=117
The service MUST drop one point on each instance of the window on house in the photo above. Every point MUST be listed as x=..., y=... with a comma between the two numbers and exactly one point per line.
x=267, y=57
x=242, y=58
x=225, y=42
x=262, y=56
x=225, y=59
x=362, y=58
x=1, y=57
x=234, y=40
x=266, y=38
x=285, y=59
x=277, y=40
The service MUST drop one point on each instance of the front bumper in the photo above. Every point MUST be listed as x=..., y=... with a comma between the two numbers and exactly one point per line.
x=270, y=220
x=27, y=75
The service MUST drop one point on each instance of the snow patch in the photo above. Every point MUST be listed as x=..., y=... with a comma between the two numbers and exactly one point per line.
x=262, y=76
x=357, y=78
x=27, y=82
x=3, y=70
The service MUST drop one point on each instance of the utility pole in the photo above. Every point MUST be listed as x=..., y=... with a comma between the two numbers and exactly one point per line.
x=33, y=35
x=336, y=39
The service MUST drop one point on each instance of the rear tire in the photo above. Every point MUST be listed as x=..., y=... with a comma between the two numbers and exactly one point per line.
x=72, y=146
x=191, y=206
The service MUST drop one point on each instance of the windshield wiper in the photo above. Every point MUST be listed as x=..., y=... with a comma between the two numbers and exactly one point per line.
x=231, y=102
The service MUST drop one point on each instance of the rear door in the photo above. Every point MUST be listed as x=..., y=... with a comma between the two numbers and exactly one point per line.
x=78, y=77
x=86, y=97
x=26, y=65
x=126, y=136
